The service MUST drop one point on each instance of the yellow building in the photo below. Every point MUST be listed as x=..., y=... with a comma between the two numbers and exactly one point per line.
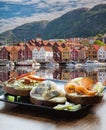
x=92, y=52
x=14, y=53
x=65, y=54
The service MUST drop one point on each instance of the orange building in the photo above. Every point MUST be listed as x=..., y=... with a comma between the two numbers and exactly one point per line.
x=91, y=53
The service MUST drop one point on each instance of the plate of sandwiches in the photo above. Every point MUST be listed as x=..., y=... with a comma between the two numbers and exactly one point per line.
x=59, y=96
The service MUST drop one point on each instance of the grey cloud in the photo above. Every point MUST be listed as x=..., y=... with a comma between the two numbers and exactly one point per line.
x=44, y=9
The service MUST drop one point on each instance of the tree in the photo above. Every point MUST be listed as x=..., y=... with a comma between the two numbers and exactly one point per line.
x=98, y=42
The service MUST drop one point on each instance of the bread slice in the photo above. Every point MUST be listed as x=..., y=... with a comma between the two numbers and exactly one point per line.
x=20, y=87
x=83, y=99
x=83, y=90
x=17, y=92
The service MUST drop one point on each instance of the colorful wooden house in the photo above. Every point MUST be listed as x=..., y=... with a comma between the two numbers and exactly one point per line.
x=45, y=54
x=14, y=53
x=73, y=54
x=5, y=52
x=82, y=54
x=61, y=55
x=35, y=53
x=92, y=51
x=28, y=51
x=21, y=53
x=101, y=55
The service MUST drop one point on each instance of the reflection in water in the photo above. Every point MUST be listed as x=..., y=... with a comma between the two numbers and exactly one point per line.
x=61, y=73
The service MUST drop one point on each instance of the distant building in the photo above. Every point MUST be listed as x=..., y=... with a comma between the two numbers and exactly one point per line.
x=102, y=53
x=92, y=51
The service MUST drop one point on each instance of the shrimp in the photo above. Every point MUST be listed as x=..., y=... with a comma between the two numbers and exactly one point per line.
x=87, y=83
x=83, y=90
x=25, y=75
x=37, y=78
x=69, y=88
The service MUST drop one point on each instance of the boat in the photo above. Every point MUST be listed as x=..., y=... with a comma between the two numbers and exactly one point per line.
x=24, y=63
x=91, y=63
x=78, y=65
x=71, y=64
x=52, y=65
x=27, y=63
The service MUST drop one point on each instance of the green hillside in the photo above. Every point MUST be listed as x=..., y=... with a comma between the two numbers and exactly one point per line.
x=82, y=22
x=25, y=32
x=78, y=23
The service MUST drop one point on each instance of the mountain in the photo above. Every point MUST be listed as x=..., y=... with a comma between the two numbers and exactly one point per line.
x=25, y=32
x=78, y=23
x=65, y=26
x=82, y=22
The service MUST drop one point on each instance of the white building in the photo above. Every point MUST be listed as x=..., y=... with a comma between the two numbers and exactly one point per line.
x=45, y=54
x=101, y=55
x=35, y=53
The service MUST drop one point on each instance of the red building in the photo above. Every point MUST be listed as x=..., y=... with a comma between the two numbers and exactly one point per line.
x=28, y=51
x=74, y=54
x=5, y=52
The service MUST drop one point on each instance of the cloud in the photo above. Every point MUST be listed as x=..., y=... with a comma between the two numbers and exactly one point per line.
x=8, y=24
x=18, y=12
x=91, y=2
x=14, y=1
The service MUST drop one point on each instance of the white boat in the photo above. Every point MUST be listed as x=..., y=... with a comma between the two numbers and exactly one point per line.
x=71, y=64
x=78, y=65
x=27, y=68
x=24, y=63
x=92, y=63
x=27, y=63
x=52, y=65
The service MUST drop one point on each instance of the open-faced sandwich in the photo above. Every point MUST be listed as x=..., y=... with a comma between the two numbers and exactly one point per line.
x=47, y=93
x=83, y=90
x=22, y=85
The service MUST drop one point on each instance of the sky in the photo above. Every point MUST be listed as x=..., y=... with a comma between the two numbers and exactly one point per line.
x=14, y=13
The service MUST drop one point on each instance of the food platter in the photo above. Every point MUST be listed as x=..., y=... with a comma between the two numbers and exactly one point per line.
x=25, y=101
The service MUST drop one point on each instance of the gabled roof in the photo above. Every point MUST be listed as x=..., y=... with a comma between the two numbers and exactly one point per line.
x=8, y=48
x=30, y=47
x=104, y=47
x=36, y=47
x=60, y=48
x=17, y=47
x=71, y=42
x=52, y=42
x=96, y=47
x=49, y=49
x=21, y=44
x=59, y=43
x=45, y=42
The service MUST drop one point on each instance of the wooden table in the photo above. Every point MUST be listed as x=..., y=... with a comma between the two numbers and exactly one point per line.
x=15, y=117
